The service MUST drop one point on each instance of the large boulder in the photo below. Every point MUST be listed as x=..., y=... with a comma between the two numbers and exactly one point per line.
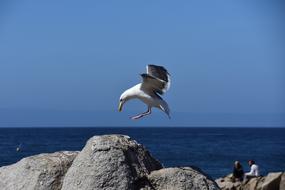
x=181, y=178
x=273, y=181
x=110, y=162
x=40, y=172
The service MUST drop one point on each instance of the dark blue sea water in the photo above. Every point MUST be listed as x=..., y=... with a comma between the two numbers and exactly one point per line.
x=212, y=149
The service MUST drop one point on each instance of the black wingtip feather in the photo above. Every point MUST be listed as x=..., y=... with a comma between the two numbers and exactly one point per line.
x=159, y=67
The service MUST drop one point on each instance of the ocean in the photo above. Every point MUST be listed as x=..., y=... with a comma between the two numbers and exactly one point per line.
x=213, y=150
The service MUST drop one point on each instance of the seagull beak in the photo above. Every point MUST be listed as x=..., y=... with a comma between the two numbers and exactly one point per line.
x=120, y=106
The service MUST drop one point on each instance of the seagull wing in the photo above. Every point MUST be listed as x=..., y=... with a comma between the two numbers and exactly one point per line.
x=157, y=79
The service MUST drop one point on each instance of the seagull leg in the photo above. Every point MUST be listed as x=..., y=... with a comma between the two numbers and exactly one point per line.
x=142, y=114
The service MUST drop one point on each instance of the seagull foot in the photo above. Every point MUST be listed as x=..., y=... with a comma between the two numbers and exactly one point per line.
x=142, y=114
x=137, y=117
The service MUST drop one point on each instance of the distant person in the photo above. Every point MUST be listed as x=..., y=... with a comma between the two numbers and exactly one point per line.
x=254, y=170
x=238, y=173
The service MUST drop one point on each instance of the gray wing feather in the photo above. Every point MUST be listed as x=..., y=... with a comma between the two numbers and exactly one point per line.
x=152, y=84
x=158, y=72
x=157, y=79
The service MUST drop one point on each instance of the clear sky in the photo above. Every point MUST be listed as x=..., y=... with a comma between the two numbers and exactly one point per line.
x=65, y=63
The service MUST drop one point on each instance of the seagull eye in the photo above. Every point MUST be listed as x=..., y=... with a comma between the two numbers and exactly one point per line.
x=121, y=100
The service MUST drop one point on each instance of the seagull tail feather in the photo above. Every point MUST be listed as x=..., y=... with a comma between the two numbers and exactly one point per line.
x=165, y=108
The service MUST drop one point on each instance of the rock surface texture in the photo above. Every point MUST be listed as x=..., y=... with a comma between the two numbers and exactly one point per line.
x=41, y=172
x=180, y=178
x=106, y=162
x=273, y=181
x=110, y=162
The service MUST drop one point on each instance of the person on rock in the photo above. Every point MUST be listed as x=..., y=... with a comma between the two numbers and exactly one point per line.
x=254, y=170
x=238, y=173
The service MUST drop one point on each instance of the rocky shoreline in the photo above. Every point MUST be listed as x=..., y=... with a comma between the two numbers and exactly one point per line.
x=106, y=162
x=272, y=181
x=111, y=162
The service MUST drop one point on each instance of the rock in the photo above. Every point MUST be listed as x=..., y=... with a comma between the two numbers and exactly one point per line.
x=282, y=182
x=273, y=181
x=227, y=183
x=40, y=172
x=253, y=183
x=180, y=178
x=110, y=162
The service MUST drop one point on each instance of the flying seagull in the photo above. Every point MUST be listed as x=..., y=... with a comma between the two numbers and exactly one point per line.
x=155, y=81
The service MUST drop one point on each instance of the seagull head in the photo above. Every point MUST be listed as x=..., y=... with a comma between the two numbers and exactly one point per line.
x=121, y=103
x=123, y=99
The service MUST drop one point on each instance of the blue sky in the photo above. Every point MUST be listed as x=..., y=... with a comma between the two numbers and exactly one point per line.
x=65, y=63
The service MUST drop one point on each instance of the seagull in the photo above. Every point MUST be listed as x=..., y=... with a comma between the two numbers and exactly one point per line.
x=155, y=81
x=19, y=147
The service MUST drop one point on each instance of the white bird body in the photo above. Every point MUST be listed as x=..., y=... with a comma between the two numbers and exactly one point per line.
x=148, y=90
x=138, y=92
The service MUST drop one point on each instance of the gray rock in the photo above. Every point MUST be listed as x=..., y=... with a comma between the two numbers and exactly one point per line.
x=40, y=172
x=110, y=162
x=180, y=179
